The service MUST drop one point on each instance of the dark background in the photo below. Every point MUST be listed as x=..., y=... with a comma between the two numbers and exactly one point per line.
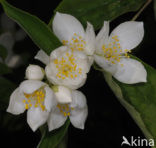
x=108, y=120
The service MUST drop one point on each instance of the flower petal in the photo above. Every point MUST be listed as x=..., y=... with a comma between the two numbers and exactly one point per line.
x=68, y=82
x=83, y=61
x=42, y=56
x=78, y=117
x=16, y=106
x=78, y=99
x=102, y=37
x=131, y=72
x=80, y=60
x=29, y=86
x=58, y=52
x=36, y=117
x=65, y=25
x=50, y=100
x=90, y=40
x=78, y=56
x=130, y=34
x=56, y=119
x=34, y=72
x=90, y=60
x=63, y=95
x=105, y=64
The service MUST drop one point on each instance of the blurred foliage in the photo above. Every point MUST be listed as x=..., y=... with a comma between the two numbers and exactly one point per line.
x=3, y=52
x=4, y=69
x=6, y=88
x=10, y=122
x=35, y=28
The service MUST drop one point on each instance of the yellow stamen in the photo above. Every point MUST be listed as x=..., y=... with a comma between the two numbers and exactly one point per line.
x=67, y=67
x=36, y=98
x=26, y=106
x=65, y=109
x=113, y=52
x=76, y=43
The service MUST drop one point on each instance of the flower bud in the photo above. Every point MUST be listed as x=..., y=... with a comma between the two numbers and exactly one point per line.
x=63, y=94
x=34, y=72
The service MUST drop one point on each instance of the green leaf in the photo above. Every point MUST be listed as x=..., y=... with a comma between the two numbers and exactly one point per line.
x=96, y=11
x=11, y=123
x=139, y=100
x=3, y=52
x=7, y=88
x=53, y=139
x=39, y=32
x=4, y=69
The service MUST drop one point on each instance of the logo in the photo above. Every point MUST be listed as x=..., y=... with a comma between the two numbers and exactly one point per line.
x=137, y=141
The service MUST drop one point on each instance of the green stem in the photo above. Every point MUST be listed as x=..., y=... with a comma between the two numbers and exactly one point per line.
x=141, y=10
x=64, y=142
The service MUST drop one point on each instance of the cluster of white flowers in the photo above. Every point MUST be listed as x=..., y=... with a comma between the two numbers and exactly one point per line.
x=67, y=67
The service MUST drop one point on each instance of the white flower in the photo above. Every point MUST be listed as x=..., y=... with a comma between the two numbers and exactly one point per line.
x=77, y=112
x=112, y=51
x=71, y=33
x=37, y=98
x=63, y=94
x=42, y=56
x=34, y=72
x=67, y=68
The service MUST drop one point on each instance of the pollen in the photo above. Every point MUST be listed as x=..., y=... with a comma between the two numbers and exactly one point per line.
x=122, y=65
x=65, y=110
x=36, y=99
x=76, y=43
x=67, y=67
x=113, y=51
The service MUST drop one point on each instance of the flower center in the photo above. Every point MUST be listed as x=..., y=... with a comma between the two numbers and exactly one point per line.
x=36, y=99
x=77, y=43
x=65, y=109
x=113, y=51
x=67, y=67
